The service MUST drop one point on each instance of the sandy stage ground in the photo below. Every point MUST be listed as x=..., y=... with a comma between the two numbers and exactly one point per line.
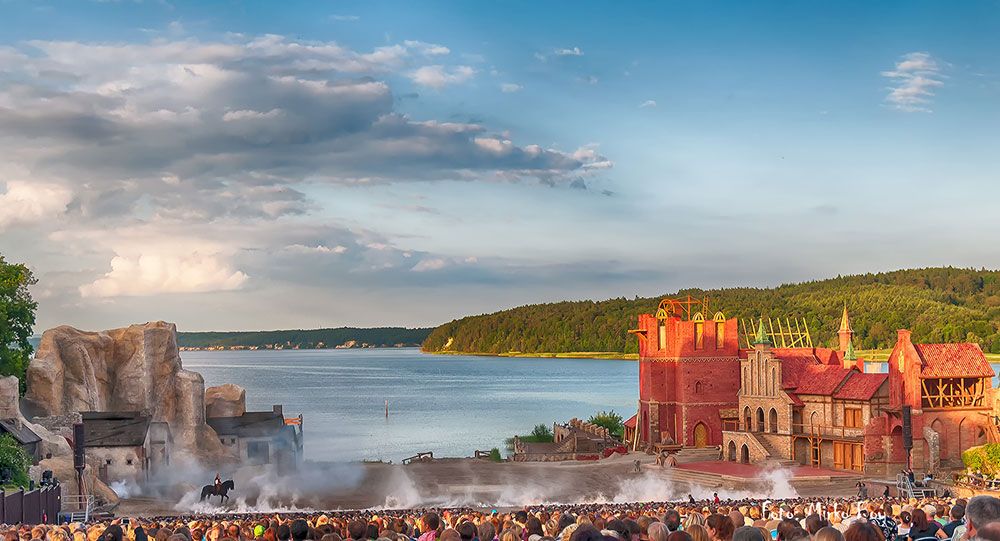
x=476, y=483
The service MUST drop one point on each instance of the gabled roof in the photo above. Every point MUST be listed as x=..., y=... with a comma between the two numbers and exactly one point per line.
x=114, y=429
x=19, y=431
x=861, y=386
x=953, y=361
x=632, y=421
x=822, y=379
x=250, y=424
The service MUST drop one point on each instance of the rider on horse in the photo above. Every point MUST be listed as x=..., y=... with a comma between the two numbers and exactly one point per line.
x=218, y=484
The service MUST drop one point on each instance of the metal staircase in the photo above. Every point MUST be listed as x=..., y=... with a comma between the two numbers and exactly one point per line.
x=906, y=488
x=81, y=508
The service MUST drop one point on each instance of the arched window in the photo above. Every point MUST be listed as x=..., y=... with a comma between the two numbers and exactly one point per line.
x=720, y=330
x=760, y=419
x=699, y=331
x=697, y=387
x=747, y=420
x=774, y=421
x=661, y=335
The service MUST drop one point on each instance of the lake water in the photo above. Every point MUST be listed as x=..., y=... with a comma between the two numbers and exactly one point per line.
x=451, y=405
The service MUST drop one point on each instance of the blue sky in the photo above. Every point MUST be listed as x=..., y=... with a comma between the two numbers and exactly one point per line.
x=238, y=165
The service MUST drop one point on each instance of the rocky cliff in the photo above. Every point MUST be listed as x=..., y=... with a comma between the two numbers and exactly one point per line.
x=225, y=401
x=136, y=368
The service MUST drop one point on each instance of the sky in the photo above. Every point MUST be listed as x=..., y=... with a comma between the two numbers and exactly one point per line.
x=265, y=165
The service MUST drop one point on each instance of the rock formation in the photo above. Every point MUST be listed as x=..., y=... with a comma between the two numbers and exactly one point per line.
x=55, y=450
x=227, y=400
x=136, y=368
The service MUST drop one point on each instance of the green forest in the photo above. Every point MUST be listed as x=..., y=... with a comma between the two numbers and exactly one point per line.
x=306, y=339
x=937, y=304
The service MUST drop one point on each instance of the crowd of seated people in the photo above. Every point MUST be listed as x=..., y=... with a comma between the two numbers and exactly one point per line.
x=976, y=519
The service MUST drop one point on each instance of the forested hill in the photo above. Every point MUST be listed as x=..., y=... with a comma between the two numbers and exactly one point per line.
x=937, y=304
x=306, y=339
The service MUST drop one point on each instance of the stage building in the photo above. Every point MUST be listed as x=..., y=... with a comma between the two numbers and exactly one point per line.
x=770, y=395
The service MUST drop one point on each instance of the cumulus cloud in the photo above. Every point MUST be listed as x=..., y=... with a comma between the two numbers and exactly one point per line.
x=509, y=88
x=318, y=249
x=648, y=104
x=151, y=274
x=180, y=165
x=27, y=202
x=235, y=127
x=914, y=79
x=438, y=77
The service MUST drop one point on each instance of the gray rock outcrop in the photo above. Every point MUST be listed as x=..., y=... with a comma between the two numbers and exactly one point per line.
x=136, y=368
x=227, y=400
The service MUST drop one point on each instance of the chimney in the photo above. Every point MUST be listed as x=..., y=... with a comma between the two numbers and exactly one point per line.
x=902, y=336
x=277, y=409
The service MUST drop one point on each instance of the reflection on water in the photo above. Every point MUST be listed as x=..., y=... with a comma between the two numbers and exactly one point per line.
x=451, y=405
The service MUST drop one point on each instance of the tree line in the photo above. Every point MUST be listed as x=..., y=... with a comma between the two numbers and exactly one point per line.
x=942, y=304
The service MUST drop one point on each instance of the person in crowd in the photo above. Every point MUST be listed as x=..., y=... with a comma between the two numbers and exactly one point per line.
x=720, y=527
x=922, y=529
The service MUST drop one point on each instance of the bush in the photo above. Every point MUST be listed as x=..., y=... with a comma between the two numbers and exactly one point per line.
x=14, y=462
x=610, y=420
x=984, y=458
x=542, y=433
x=495, y=455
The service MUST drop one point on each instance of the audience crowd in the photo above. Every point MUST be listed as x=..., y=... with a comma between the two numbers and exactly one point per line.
x=976, y=519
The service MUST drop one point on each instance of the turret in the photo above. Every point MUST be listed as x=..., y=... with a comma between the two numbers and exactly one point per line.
x=845, y=333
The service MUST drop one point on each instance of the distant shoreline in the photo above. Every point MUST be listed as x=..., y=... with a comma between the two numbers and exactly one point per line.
x=600, y=355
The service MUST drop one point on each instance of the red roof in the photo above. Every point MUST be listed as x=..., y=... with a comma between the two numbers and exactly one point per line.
x=953, y=361
x=861, y=386
x=631, y=421
x=822, y=379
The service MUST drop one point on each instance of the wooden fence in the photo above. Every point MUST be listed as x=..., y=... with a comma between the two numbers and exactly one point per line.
x=39, y=506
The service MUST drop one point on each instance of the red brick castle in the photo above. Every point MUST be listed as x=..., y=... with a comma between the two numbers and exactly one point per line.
x=776, y=397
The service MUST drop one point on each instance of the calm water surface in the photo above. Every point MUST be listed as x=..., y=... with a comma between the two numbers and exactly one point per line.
x=451, y=405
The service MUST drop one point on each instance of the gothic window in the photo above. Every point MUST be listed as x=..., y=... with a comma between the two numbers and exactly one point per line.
x=720, y=330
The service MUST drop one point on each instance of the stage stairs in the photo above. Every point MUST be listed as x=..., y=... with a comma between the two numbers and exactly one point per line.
x=697, y=454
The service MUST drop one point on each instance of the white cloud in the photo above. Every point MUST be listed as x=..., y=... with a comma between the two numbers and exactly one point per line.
x=345, y=18
x=589, y=79
x=430, y=264
x=318, y=249
x=437, y=76
x=574, y=51
x=247, y=114
x=648, y=104
x=153, y=274
x=429, y=49
x=30, y=202
x=914, y=79
x=509, y=88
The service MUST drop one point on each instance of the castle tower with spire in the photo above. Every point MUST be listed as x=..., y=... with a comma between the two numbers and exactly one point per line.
x=845, y=333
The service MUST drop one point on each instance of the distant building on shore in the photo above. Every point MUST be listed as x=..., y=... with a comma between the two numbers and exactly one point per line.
x=775, y=397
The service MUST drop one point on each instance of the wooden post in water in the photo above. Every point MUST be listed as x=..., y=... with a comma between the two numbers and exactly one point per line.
x=386, y=408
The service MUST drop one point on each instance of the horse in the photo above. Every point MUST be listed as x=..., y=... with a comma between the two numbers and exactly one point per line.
x=223, y=492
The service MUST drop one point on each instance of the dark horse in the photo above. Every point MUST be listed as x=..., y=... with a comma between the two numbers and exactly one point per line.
x=222, y=492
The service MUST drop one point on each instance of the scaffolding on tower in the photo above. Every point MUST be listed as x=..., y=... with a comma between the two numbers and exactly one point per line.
x=790, y=333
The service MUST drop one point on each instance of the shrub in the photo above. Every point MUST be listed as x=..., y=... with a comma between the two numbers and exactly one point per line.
x=495, y=455
x=984, y=458
x=14, y=461
x=610, y=420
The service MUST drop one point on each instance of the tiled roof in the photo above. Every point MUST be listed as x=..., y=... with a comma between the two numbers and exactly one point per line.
x=953, y=361
x=795, y=399
x=861, y=386
x=821, y=380
x=631, y=421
